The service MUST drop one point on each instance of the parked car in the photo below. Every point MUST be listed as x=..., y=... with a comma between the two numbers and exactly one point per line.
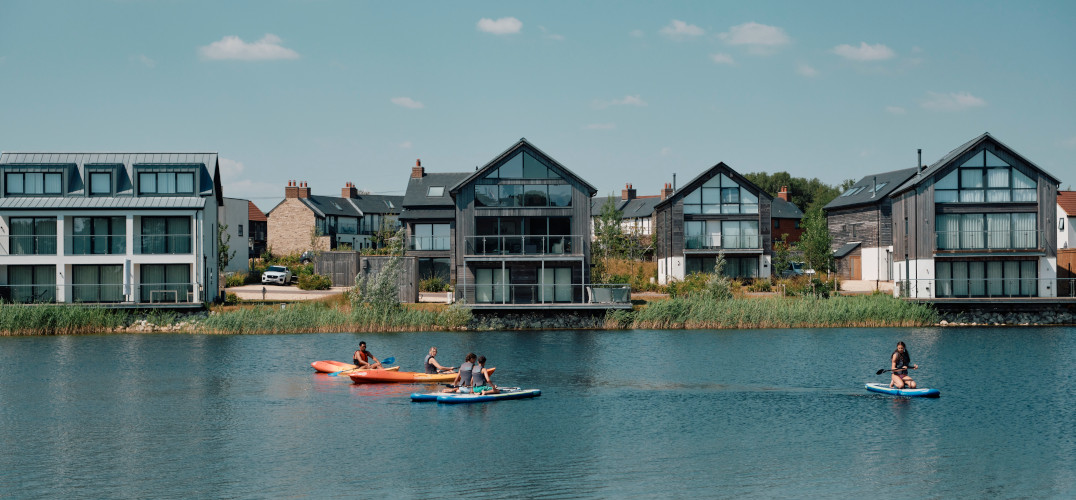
x=794, y=269
x=279, y=275
x=307, y=257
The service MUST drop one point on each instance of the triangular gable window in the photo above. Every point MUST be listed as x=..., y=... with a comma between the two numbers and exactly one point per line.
x=720, y=195
x=523, y=166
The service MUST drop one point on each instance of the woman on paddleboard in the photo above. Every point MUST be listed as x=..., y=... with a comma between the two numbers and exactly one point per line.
x=901, y=361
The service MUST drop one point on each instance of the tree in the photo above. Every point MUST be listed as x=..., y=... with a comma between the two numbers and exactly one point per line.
x=782, y=255
x=609, y=239
x=223, y=255
x=804, y=193
x=816, y=241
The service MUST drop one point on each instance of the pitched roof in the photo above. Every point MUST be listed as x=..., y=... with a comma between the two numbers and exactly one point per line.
x=521, y=144
x=863, y=192
x=254, y=213
x=634, y=208
x=929, y=172
x=417, y=195
x=106, y=202
x=782, y=209
x=353, y=207
x=709, y=174
x=845, y=249
x=1067, y=201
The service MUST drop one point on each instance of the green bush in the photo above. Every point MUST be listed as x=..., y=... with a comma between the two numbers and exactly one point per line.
x=314, y=282
x=231, y=299
x=434, y=284
x=760, y=285
x=235, y=279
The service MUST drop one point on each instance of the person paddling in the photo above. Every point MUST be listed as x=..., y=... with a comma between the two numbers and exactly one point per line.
x=362, y=358
x=462, y=382
x=480, y=378
x=900, y=361
x=431, y=364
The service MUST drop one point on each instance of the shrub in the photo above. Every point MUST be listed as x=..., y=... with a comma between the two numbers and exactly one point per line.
x=434, y=284
x=235, y=279
x=314, y=282
x=231, y=299
x=760, y=285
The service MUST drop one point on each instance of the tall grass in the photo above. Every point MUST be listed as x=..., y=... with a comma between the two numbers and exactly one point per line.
x=781, y=312
x=59, y=320
x=314, y=317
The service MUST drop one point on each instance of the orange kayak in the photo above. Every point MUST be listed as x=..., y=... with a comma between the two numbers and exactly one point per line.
x=336, y=366
x=384, y=376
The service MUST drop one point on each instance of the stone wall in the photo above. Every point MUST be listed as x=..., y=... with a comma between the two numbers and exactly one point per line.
x=290, y=225
x=1059, y=315
x=537, y=320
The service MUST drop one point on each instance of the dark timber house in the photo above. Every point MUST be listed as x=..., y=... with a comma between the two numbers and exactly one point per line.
x=860, y=223
x=718, y=212
x=429, y=217
x=979, y=222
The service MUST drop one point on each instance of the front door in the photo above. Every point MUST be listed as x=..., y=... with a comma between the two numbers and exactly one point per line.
x=853, y=264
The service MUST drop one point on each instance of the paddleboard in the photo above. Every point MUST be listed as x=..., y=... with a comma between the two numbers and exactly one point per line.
x=451, y=398
x=919, y=392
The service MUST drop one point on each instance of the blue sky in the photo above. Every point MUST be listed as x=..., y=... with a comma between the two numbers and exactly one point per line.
x=620, y=92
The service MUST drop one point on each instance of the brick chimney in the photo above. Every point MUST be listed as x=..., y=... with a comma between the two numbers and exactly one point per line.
x=628, y=193
x=304, y=190
x=783, y=193
x=666, y=191
x=417, y=171
x=349, y=191
x=291, y=190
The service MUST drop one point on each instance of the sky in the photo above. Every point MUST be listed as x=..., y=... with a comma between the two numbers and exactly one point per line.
x=330, y=92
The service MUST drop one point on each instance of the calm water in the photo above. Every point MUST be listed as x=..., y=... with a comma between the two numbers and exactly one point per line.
x=770, y=413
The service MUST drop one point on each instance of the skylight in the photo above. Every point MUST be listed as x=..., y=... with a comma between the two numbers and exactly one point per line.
x=436, y=191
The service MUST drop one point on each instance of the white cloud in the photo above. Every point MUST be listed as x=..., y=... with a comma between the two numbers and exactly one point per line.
x=407, y=102
x=405, y=145
x=679, y=29
x=552, y=36
x=805, y=69
x=722, y=59
x=665, y=151
x=637, y=33
x=236, y=185
x=759, y=38
x=143, y=60
x=502, y=26
x=600, y=126
x=230, y=169
x=864, y=52
x=896, y=110
x=953, y=101
x=628, y=100
x=234, y=48
x=1070, y=142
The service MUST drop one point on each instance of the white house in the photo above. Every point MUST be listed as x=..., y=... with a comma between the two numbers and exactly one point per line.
x=130, y=228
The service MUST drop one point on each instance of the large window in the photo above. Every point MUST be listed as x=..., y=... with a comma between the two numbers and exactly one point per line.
x=166, y=183
x=986, y=231
x=431, y=237
x=166, y=283
x=985, y=178
x=523, y=195
x=435, y=268
x=166, y=235
x=521, y=235
x=30, y=284
x=98, y=235
x=97, y=283
x=1011, y=278
x=100, y=183
x=720, y=195
x=523, y=166
x=492, y=285
x=735, y=234
x=33, y=183
x=735, y=267
x=556, y=285
x=33, y=235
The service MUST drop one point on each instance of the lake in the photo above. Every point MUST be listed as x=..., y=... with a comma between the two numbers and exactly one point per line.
x=641, y=414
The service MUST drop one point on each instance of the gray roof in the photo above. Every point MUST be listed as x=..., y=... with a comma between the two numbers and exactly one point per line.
x=929, y=172
x=522, y=144
x=862, y=192
x=418, y=187
x=845, y=249
x=104, y=202
x=782, y=209
x=208, y=181
x=420, y=214
x=353, y=207
x=709, y=174
x=630, y=209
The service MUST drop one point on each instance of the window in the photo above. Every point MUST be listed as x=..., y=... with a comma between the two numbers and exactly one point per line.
x=522, y=166
x=97, y=283
x=166, y=235
x=435, y=191
x=100, y=183
x=434, y=268
x=166, y=183
x=735, y=267
x=720, y=195
x=523, y=195
x=776, y=223
x=521, y=235
x=985, y=178
x=98, y=235
x=987, y=231
x=30, y=284
x=1012, y=278
x=431, y=237
x=556, y=285
x=491, y=285
x=165, y=283
x=240, y=230
x=32, y=235
x=33, y=183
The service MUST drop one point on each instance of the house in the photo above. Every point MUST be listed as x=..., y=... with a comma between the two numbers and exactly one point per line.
x=637, y=212
x=236, y=223
x=860, y=223
x=304, y=221
x=787, y=218
x=429, y=219
x=119, y=228
x=979, y=222
x=1066, y=244
x=718, y=212
x=257, y=230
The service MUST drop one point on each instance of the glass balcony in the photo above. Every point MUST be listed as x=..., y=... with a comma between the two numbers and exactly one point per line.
x=523, y=245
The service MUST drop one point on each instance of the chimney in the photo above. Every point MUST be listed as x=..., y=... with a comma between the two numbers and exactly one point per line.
x=921, y=166
x=349, y=191
x=783, y=193
x=417, y=171
x=666, y=191
x=628, y=193
x=303, y=190
x=291, y=190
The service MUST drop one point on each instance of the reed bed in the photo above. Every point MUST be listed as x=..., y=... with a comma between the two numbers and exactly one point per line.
x=323, y=317
x=59, y=320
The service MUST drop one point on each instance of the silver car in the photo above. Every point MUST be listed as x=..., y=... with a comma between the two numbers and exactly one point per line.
x=279, y=275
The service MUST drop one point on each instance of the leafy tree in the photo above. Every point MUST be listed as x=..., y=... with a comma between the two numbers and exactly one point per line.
x=610, y=240
x=816, y=241
x=804, y=193
x=223, y=255
x=381, y=292
x=782, y=255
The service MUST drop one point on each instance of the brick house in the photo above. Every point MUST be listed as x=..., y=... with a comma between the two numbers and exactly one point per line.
x=304, y=221
x=787, y=217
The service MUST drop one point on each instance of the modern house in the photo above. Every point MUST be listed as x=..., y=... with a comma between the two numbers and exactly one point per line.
x=236, y=223
x=304, y=221
x=1066, y=244
x=861, y=225
x=429, y=218
x=979, y=222
x=115, y=228
x=257, y=230
x=718, y=212
x=787, y=217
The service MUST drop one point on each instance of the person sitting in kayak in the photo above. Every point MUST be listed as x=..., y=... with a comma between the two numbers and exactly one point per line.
x=463, y=378
x=480, y=378
x=900, y=362
x=362, y=358
x=432, y=366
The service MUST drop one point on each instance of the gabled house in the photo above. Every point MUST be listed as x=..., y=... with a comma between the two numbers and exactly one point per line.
x=787, y=217
x=429, y=218
x=637, y=212
x=979, y=222
x=860, y=224
x=304, y=221
x=718, y=212
x=1066, y=244
x=257, y=232
x=116, y=228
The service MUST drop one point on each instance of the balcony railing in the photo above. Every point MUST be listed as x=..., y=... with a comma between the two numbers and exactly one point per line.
x=104, y=293
x=98, y=244
x=524, y=245
x=32, y=245
x=988, y=240
x=430, y=243
x=993, y=288
x=166, y=244
x=715, y=241
x=550, y=294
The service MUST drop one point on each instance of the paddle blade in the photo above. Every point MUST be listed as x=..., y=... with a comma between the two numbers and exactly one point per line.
x=879, y=372
x=336, y=374
x=388, y=361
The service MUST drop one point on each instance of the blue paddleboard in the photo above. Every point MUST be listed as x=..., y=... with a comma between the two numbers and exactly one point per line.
x=451, y=398
x=920, y=392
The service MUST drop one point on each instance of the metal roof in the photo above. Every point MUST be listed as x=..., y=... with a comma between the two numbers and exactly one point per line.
x=845, y=249
x=522, y=144
x=421, y=214
x=709, y=174
x=77, y=163
x=104, y=202
x=863, y=192
x=353, y=207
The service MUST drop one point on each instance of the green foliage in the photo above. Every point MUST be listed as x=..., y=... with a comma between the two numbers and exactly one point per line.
x=454, y=317
x=782, y=255
x=235, y=279
x=314, y=282
x=719, y=286
x=380, y=292
x=815, y=242
x=224, y=254
x=434, y=284
x=633, y=272
x=231, y=299
x=760, y=285
x=806, y=194
x=693, y=284
x=60, y=319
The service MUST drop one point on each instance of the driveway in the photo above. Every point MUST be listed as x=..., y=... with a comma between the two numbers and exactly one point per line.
x=277, y=293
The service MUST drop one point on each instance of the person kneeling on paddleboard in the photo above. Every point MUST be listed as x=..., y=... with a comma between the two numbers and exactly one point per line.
x=462, y=384
x=480, y=378
x=362, y=358
x=900, y=361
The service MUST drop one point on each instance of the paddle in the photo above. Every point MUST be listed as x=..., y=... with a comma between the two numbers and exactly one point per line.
x=879, y=372
x=387, y=361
